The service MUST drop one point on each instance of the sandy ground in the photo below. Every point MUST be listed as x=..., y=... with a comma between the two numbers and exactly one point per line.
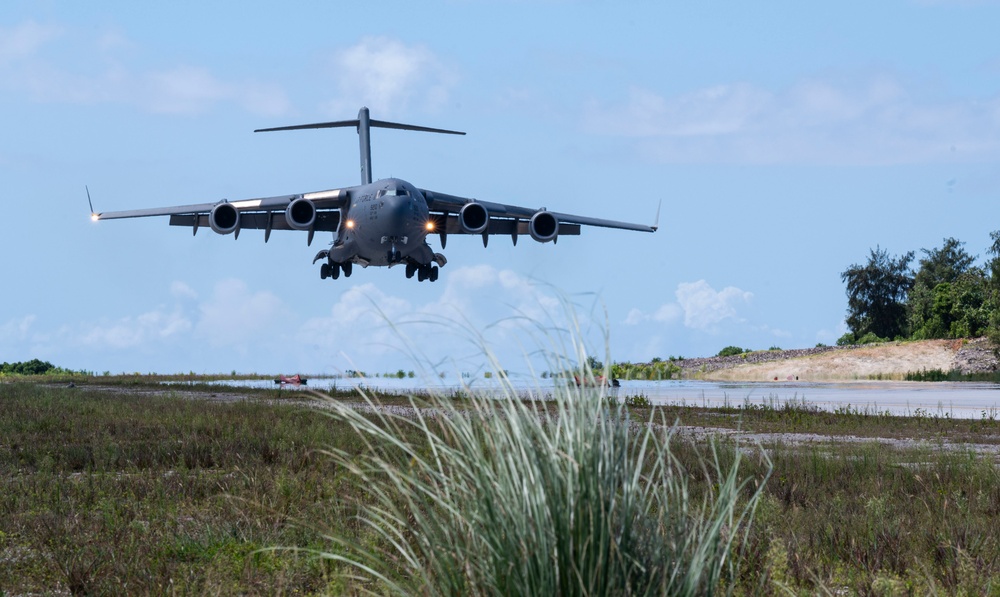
x=892, y=361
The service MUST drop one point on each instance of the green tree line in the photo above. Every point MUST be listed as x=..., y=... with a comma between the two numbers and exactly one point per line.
x=947, y=295
x=32, y=367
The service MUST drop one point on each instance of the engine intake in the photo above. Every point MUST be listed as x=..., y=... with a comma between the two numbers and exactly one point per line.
x=300, y=214
x=543, y=226
x=224, y=218
x=473, y=218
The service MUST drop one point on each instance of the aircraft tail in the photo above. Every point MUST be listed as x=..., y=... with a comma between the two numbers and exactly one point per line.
x=363, y=124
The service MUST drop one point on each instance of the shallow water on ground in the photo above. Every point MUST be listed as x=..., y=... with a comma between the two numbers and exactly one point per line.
x=951, y=399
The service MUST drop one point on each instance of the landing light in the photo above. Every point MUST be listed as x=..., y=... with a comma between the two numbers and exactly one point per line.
x=430, y=225
x=93, y=217
x=349, y=223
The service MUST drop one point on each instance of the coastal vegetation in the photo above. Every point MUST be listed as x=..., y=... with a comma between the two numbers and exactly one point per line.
x=947, y=296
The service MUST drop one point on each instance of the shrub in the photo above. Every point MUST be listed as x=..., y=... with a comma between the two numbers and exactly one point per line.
x=871, y=338
x=732, y=351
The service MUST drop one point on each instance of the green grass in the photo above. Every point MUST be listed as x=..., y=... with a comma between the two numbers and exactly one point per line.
x=102, y=492
x=128, y=491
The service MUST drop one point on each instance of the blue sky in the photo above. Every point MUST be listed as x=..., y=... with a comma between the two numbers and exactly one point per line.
x=784, y=139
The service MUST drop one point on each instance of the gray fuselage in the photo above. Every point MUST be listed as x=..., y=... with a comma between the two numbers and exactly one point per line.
x=386, y=223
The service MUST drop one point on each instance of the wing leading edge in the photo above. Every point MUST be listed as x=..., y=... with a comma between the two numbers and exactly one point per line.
x=331, y=199
x=322, y=213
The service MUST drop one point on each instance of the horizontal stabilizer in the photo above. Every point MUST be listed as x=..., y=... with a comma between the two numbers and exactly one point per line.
x=354, y=123
x=363, y=125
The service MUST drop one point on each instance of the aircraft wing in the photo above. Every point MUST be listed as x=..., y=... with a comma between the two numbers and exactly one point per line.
x=264, y=213
x=513, y=219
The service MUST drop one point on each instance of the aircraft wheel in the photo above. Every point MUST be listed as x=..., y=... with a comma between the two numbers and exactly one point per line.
x=410, y=270
x=348, y=268
x=434, y=274
x=335, y=271
x=421, y=274
x=324, y=271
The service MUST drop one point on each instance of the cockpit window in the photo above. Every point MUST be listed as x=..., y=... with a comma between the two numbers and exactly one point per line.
x=393, y=193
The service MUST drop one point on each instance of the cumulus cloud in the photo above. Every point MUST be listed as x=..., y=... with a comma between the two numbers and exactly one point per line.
x=698, y=305
x=872, y=121
x=235, y=326
x=704, y=307
x=389, y=76
x=235, y=316
x=368, y=325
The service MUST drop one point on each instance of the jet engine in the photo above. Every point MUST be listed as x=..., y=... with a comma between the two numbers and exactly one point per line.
x=473, y=218
x=300, y=214
x=224, y=218
x=543, y=226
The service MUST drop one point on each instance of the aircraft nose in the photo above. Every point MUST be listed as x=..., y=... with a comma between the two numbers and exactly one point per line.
x=402, y=212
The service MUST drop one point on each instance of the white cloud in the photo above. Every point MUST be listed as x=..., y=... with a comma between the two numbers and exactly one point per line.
x=699, y=305
x=17, y=329
x=128, y=332
x=237, y=317
x=181, y=290
x=872, y=121
x=388, y=75
x=634, y=317
x=704, y=307
x=25, y=40
x=367, y=325
x=668, y=313
x=190, y=89
x=102, y=76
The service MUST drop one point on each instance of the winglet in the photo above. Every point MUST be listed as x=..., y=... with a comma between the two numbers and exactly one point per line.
x=656, y=222
x=93, y=214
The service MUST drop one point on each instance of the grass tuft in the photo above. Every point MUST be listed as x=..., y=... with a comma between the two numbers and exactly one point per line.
x=509, y=493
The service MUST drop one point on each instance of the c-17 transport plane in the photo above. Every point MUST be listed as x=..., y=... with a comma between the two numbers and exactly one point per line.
x=382, y=223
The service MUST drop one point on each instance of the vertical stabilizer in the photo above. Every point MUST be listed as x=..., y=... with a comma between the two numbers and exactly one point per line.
x=364, y=139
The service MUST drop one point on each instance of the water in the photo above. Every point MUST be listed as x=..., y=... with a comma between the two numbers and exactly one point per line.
x=952, y=399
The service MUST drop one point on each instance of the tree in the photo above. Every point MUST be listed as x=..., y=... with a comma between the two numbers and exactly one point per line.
x=943, y=265
x=938, y=302
x=876, y=294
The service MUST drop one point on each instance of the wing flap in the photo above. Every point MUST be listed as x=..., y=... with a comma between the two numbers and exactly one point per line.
x=441, y=202
x=326, y=221
x=505, y=226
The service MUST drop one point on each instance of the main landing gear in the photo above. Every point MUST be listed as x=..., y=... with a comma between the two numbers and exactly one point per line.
x=424, y=272
x=332, y=270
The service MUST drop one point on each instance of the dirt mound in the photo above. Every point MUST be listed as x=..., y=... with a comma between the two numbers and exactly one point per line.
x=878, y=361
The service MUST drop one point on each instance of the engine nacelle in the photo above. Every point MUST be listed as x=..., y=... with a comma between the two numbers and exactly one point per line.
x=224, y=218
x=543, y=226
x=300, y=214
x=473, y=218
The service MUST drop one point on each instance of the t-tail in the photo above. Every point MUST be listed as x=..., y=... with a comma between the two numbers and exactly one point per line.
x=363, y=125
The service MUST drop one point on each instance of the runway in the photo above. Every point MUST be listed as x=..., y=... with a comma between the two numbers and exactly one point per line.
x=963, y=400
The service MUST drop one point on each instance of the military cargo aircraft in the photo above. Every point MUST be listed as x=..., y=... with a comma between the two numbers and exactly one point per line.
x=382, y=223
